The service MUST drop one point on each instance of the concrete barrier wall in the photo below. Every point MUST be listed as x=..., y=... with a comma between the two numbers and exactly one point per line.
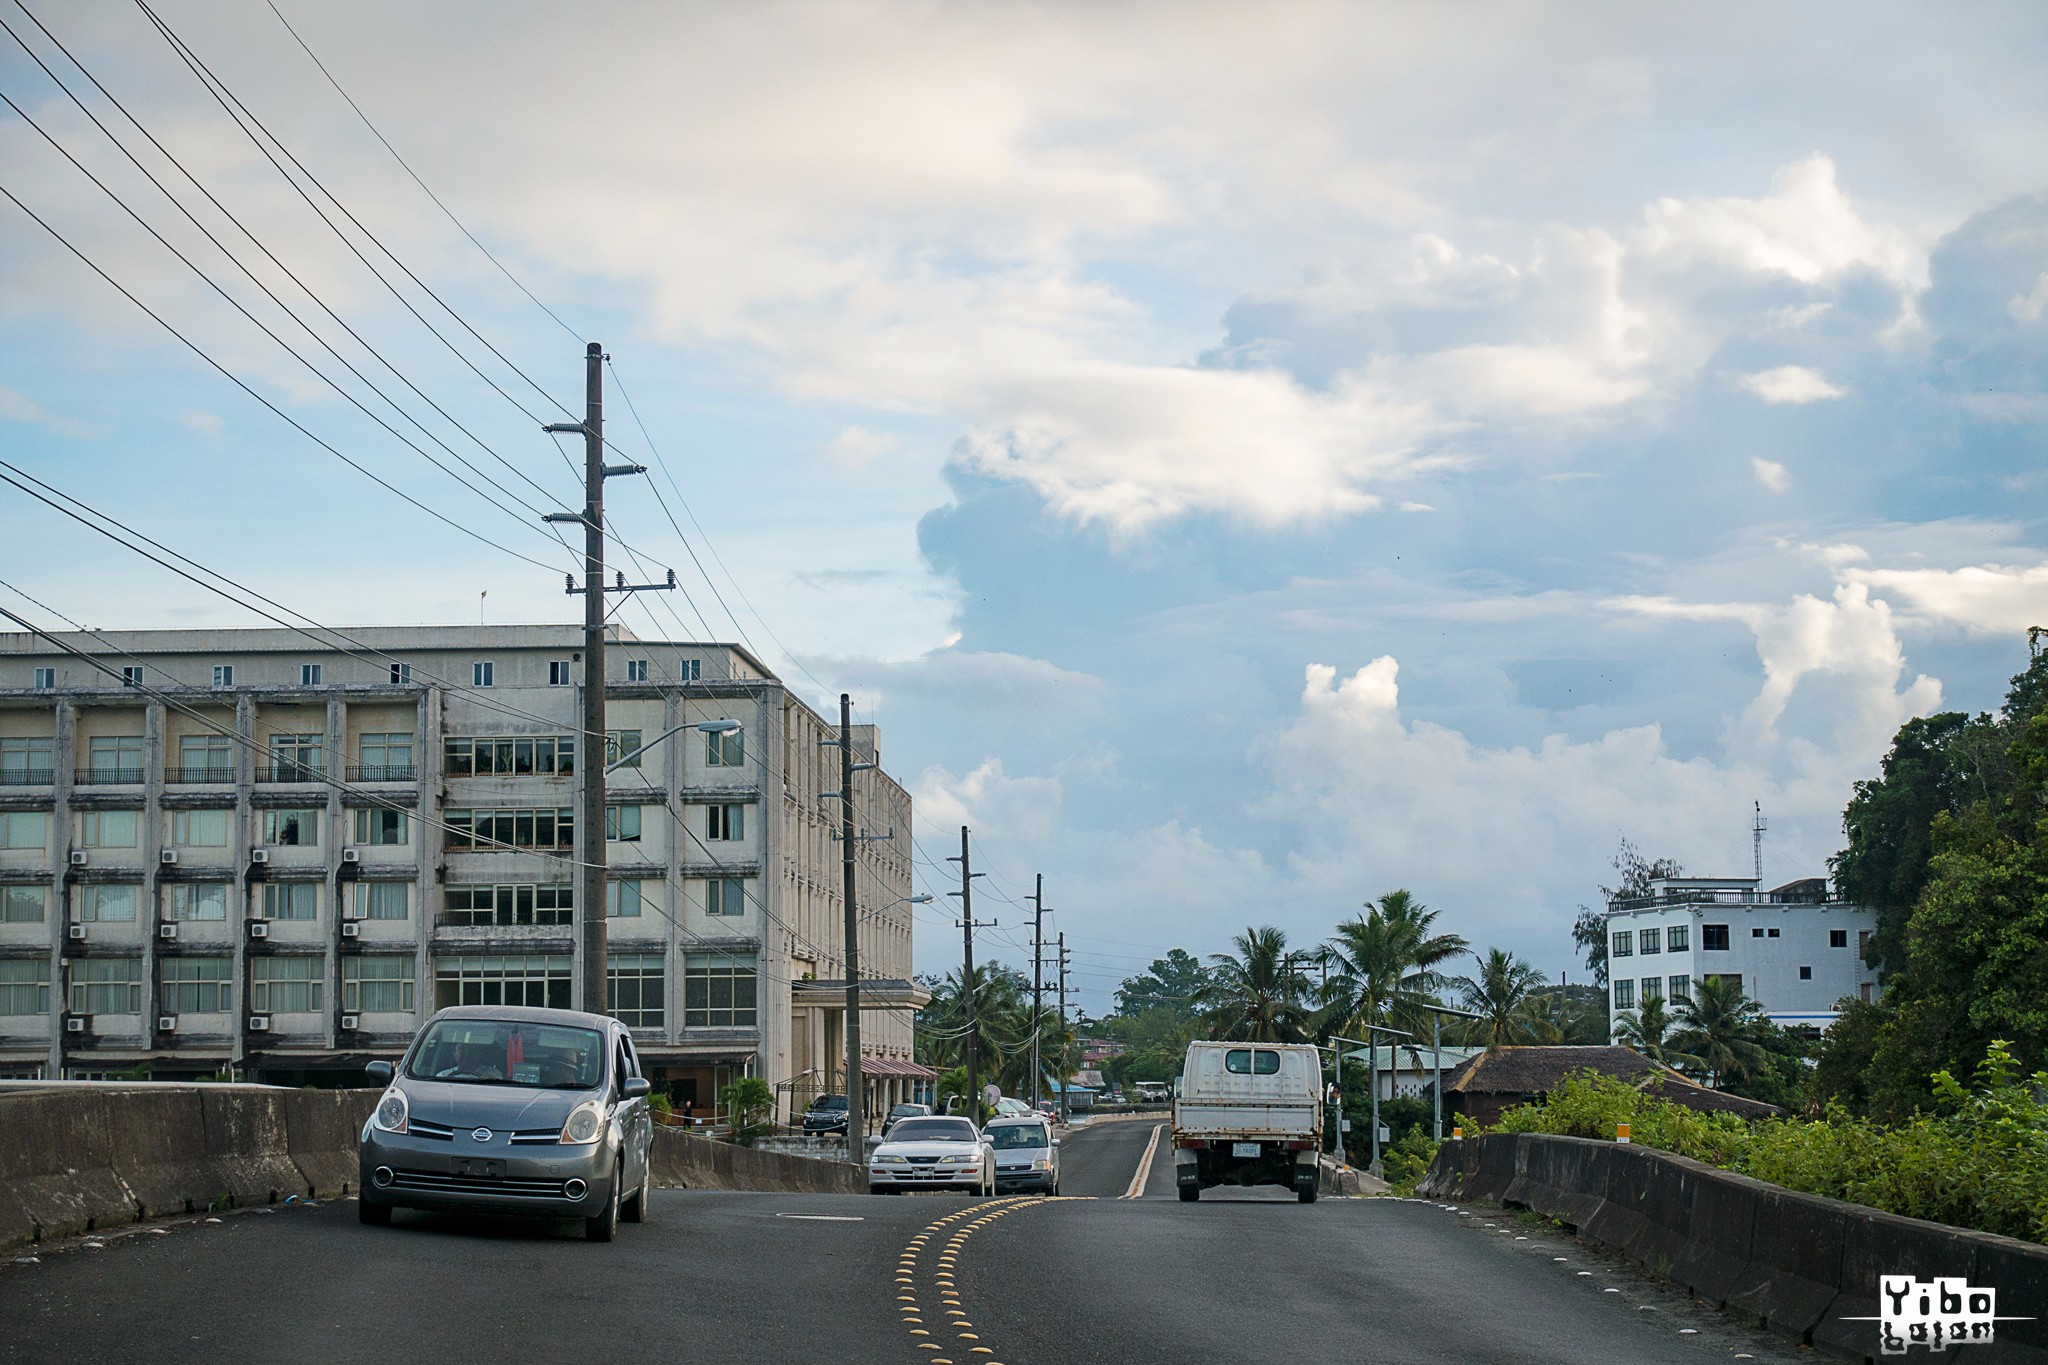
x=77, y=1161
x=1804, y=1266
x=685, y=1161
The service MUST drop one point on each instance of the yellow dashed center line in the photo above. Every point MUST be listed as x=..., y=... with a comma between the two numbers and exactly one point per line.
x=942, y=1275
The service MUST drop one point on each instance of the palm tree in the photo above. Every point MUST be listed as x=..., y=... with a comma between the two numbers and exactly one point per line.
x=1003, y=1026
x=1257, y=994
x=1501, y=996
x=1653, y=1032
x=1723, y=1028
x=1386, y=967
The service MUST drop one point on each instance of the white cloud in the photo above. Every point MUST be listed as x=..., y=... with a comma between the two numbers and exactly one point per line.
x=1987, y=598
x=1771, y=474
x=994, y=680
x=205, y=423
x=1026, y=809
x=857, y=447
x=19, y=407
x=1790, y=384
x=2030, y=306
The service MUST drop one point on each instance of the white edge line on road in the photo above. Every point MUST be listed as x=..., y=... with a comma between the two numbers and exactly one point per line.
x=1144, y=1166
x=823, y=1217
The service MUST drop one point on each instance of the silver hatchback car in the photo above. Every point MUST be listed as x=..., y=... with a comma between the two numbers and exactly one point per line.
x=503, y=1109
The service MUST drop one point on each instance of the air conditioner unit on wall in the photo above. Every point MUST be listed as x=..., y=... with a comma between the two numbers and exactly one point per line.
x=76, y=933
x=79, y=857
x=169, y=857
x=167, y=1023
x=167, y=931
x=259, y=855
x=351, y=929
x=77, y=1023
x=259, y=1023
x=259, y=928
x=351, y=855
x=351, y=1022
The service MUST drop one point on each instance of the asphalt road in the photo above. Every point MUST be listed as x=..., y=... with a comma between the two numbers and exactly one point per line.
x=717, y=1277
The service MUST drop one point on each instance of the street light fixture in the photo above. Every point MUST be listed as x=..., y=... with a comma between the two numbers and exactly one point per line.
x=709, y=727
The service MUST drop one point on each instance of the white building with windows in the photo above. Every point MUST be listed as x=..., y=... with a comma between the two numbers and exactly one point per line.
x=238, y=848
x=1793, y=949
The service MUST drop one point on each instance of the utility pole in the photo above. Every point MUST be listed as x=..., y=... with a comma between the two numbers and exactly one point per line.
x=1037, y=983
x=590, y=831
x=1063, y=1028
x=973, y=1024
x=856, y=1097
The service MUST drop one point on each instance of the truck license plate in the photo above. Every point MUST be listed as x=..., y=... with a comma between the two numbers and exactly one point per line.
x=1244, y=1149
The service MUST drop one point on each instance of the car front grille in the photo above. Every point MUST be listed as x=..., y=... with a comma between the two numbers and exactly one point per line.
x=521, y=1136
x=440, y=1182
x=421, y=1128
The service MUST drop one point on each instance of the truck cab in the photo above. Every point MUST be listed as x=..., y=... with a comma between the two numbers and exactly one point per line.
x=1248, y=1114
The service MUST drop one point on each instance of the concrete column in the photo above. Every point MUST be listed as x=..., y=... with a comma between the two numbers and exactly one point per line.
x=673, y=752
x=427, y=900
x=63, y=838
x=338, y=821
x=148, y=912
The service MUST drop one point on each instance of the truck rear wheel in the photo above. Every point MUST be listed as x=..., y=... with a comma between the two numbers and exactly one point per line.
x=1190, y=1193
x=1306, y=1194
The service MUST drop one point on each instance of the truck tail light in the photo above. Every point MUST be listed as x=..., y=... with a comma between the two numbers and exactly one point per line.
x=1300, y=1146
x=1193, y=1144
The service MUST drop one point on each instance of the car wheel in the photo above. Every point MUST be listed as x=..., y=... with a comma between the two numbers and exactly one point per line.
x=605, y=1226
x=373, y=1215
x=634, y=1210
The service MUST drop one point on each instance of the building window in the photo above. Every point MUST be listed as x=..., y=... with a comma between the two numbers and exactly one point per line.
x=291, y=900
x=622, y=900
x=689, y=670
x=106, y=985
x=196, y=900
x=287, y=985
x=725, y=749
x=297, y=758
x=725, y=822
x=507, y=827
x=1838, y=938
x=1624, y=944
x=1653, y=990
x=1652, y=941
x=196, y=985
x=25, y=829
x=634, y=986
x=131, y=675
x=1681, y=987
x=377, y=984
x=108, y=828
x=291, y=828
x=1624, y=995
x=401, y=673
x=622, y=748
x=200, y=828
x=480, y=674
x=206, y=758
x=718, y=990
x=1770, y=933
x=636, y=670
x=510, y=756
x=383, y=900
x=540, y=979
x=1862, y=992
x=311, y=675
x=482, y=906
x=725, y=896
x=24, y=904
x=1678, y=937
x=25, y=762
x=24, y=985
x=1806, y=973
x=622, y=824
x=223, y=675
x=386, y=757
x=1756, y=933
x=1713, y=938
x=558, y=673
x=1734, y=979
x=114, y=758
x=46, y=678
x=379, y=827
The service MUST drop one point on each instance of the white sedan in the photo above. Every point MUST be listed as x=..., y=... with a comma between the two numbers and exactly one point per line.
x=933, y=1154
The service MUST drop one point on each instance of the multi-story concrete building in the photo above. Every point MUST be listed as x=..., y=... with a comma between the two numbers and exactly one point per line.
x=1794, y=949
x=242, y=849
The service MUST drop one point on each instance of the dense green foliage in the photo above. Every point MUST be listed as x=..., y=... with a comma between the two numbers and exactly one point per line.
x=1004, y=1026
x=1978, y=1159
x=749, y=1107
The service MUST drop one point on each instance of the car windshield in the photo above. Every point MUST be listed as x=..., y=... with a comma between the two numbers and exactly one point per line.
x=504, y=1052
x=1013, y=1135
x=830, y=1102
x=904, y=1111
x=932, y=1130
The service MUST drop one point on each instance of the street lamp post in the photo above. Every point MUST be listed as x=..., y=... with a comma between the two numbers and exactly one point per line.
x=1436, y=1061
x=709, y=727
x=1373, y=1068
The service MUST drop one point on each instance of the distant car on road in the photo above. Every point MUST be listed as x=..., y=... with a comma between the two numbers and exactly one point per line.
x=933, y=1153
x=827, y=1114
x=501, y=1109
x=1027, y=1154
x=904, y=1111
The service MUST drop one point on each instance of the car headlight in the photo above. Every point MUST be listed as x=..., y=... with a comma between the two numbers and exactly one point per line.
x=392, y=1112
x=585, y=1124
x=952, y=1160
x=1042, y=1164
x=893, y=1160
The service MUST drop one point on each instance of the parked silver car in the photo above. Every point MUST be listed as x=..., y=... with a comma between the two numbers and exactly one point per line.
x=503, y=1109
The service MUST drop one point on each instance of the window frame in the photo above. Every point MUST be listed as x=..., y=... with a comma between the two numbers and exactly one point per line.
x=274, y=898
x=303, y=987
x=181, y=899
x=402, y=974
x=702, y=975
x=219, y=986
x=639, y=970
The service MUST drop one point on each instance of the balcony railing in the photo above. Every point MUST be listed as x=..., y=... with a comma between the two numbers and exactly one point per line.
x=503, y=919
x=201, y=772
x=110, y=777
x=26, y=777
x=290, y=770
x=383, y=772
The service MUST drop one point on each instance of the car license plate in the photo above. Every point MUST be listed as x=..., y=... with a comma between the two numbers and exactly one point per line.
x=491, y=1170
x=1244, y=1149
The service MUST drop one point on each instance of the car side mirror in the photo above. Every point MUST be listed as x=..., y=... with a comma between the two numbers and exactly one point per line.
x=636, y=1088
x=1055, y=1142
x=380, y=1073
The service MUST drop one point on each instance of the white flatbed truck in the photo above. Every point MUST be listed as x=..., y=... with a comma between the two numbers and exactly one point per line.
x=1248, y=1114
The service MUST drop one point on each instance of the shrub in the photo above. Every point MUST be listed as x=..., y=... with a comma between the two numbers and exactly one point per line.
x=1405, y=1163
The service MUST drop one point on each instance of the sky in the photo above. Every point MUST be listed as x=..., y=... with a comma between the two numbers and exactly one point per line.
x=1246, y=459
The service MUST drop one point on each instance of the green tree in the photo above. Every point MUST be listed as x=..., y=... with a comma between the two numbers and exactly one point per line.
x=1724, y=1029
x=1256, y=994
x=1387, y=966
x=748, y=1103
x=1589, y=932
x=1502, y=994
x=1173, y=983
x=1652, y=1031
x=1577, y=1013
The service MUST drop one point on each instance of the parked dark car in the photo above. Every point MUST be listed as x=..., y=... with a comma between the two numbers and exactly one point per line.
x=904, y=1111
x=827, y=1114
x=502, y=1109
